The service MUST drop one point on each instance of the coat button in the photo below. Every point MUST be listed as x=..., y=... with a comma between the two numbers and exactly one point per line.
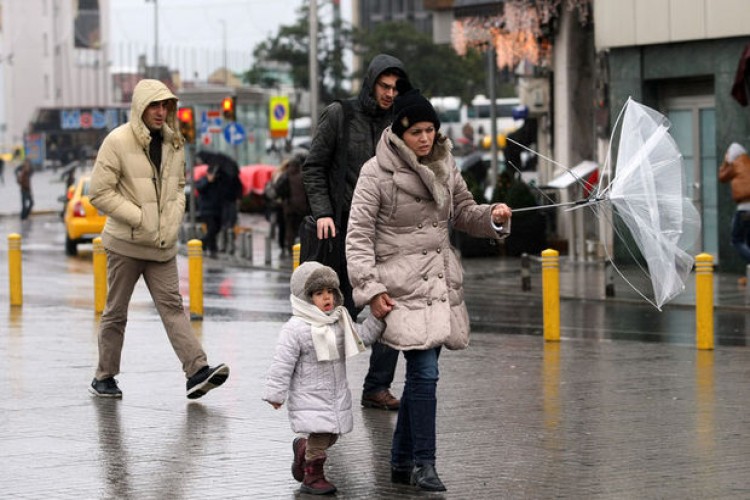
x=434, y=224
x=424, y=252
x=419, y=200
x=443, y=299
x=429, y=302
x=424, y=277
x=419, y=225
x=438, y=250
x=440, y=275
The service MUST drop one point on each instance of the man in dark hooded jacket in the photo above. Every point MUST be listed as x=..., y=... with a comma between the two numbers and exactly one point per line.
x=332, y=149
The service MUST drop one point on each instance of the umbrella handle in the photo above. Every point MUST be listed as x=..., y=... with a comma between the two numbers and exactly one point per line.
x=585, y=201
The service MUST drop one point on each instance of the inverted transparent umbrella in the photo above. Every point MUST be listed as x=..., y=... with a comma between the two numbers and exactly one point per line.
x=645, y=187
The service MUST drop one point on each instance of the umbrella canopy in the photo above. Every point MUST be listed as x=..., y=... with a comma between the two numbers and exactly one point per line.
x=225, y=163
x=647, y=192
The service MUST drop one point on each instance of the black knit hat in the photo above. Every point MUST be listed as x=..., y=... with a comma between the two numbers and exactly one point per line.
x=412, y=107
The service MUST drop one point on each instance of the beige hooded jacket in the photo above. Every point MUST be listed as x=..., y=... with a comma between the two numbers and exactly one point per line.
x=144, y=205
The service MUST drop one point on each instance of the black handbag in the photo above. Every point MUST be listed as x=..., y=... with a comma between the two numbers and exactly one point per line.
x=327, y=251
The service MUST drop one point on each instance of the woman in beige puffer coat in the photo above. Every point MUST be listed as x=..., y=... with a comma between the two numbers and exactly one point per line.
x=400, y=262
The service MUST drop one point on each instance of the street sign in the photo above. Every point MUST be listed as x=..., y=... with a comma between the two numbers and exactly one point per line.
x=215, y=121
x=278, y=116
x=234, y=134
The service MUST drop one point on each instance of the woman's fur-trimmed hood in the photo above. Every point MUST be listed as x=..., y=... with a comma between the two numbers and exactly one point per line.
x=433, y=169
x=312, y=276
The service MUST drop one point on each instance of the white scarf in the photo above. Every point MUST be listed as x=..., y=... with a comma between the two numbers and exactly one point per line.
x=323, y=332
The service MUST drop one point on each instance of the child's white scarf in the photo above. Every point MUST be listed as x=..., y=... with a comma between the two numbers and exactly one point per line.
x=323, y=332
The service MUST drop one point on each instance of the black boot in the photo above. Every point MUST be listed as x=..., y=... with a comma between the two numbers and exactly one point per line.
x=425, y=478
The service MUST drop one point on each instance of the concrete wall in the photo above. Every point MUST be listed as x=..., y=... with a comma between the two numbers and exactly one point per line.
x=621, y=23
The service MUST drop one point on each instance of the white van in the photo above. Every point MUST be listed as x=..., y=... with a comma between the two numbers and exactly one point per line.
x=449, y=111
x=478, y=114
x=299, y=132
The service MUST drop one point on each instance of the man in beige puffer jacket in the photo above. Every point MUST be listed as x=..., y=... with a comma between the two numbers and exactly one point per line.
x=138, y=182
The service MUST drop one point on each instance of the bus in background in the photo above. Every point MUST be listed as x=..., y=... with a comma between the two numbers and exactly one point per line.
x=450, y=113
x=478, y=115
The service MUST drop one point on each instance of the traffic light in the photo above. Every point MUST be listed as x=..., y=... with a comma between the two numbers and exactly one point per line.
x=187, y=124
x=227, y=105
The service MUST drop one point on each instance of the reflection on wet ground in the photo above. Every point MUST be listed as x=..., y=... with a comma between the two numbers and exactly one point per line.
x=622, y=407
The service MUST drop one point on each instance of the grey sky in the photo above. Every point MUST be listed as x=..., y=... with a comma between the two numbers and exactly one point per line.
x=191, y=31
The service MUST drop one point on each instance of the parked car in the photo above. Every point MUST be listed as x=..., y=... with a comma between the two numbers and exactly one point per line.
x=83, y=222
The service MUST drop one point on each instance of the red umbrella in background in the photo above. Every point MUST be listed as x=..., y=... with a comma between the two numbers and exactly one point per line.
x=199, y=171
x=252, y=177
x=255, y=177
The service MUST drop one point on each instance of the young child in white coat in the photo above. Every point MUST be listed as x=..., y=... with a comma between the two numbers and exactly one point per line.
x=309, y=370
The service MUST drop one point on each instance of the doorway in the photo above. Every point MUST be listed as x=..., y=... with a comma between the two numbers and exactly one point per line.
x=693, y=120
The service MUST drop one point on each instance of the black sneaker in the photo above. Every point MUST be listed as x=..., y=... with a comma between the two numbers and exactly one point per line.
x=106, y=388
x=206, y=379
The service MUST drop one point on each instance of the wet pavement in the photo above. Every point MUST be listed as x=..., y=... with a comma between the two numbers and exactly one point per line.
x=623, y=407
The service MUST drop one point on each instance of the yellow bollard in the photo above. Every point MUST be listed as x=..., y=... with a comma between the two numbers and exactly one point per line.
x=551, y=294
x=15, y=277
x=704, y=301
x=295, y=256
x=195, y=273
x=100, y=276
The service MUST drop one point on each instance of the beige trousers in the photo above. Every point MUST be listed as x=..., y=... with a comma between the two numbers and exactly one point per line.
x=163, y=283
x=318, y=443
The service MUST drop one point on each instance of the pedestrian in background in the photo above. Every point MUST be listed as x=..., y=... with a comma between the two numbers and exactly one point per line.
x=291, y=191
x=231, y=194
x=209, y=189
x=274, y=208
x=2, y=171
x=309, y=370
x=23, y=177
x=345, y=139
x=138, y=181
x=401, y=263
x=735, y=169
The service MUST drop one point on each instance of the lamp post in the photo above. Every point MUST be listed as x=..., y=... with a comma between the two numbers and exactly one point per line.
x=224, y=50
x=156, y=36
x=313, y=62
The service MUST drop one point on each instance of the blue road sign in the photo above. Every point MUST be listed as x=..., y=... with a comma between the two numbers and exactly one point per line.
x=234, y=134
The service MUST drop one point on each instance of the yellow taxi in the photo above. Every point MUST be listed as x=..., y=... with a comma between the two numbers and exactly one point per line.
x=83, y=222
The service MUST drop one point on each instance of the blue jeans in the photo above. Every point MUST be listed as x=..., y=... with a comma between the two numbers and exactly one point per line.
x=27, y=202
x=414, y=437
x=741, y=232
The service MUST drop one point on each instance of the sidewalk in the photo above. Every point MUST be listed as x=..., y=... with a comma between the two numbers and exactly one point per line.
x=518, y=418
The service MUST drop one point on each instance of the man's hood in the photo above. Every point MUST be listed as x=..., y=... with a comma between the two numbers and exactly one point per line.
x=146, y=92
x=377, y=66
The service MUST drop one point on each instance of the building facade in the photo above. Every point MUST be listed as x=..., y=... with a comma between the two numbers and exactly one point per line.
x=680, y=57
x=53, y=54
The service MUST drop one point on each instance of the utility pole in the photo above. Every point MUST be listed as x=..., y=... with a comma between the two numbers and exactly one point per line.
x=491, y=69
x=313, y=62
x=224, y=50
x=156, y=37
x=337, y=56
